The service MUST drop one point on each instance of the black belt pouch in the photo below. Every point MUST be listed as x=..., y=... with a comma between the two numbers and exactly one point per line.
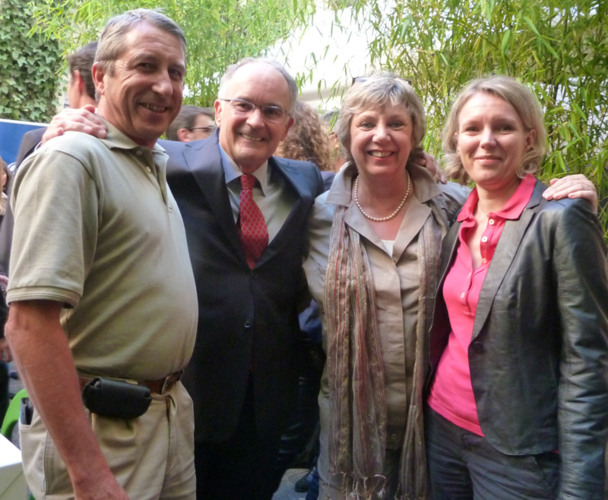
x=116, y=398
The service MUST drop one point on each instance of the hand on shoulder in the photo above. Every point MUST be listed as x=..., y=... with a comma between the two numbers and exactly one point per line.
x=77, y=120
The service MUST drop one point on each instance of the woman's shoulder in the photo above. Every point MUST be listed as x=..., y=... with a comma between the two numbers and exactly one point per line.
x=567, y=208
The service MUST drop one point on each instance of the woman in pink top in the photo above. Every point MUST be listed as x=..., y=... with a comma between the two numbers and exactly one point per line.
x=518, y=405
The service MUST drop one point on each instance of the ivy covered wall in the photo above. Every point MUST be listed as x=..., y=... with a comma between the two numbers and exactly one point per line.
x=28, y=66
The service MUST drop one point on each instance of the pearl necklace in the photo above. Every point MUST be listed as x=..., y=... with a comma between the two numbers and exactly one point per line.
x=388, y=217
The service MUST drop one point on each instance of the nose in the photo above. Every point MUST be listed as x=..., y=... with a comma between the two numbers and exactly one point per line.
x=381, y=133
x=488, y=138
x=255, y=118
x=163, y=85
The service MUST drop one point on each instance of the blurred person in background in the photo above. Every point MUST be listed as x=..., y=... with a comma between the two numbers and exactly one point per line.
x=192, y=123
x=330, y=119
x=5, y=353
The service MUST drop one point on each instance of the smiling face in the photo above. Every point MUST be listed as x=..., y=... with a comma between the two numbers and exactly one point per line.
x=381, y=140
x=492, y=141
x=142, y=93
x=249, y=139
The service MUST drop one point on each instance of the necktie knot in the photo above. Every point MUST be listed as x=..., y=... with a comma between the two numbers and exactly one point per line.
x=247, y=181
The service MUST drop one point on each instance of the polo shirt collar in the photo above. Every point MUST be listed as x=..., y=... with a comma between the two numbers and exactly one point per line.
x=512, y=209
x=117, y=139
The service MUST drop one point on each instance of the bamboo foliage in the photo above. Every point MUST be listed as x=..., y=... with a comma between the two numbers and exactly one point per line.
x=557, y=47
x=219, y=32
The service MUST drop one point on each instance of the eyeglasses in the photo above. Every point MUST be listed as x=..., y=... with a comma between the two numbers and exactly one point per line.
x=270, y=112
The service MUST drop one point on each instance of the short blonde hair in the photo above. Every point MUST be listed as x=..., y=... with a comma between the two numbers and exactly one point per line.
x=527, y=107
x=375, y=92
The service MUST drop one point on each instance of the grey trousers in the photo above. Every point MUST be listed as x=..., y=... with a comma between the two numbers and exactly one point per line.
x=464, y=466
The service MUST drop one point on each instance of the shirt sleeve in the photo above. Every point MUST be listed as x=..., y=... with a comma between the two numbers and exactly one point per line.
x=55, y=204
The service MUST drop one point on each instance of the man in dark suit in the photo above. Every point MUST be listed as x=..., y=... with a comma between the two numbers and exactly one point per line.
x=243, y=374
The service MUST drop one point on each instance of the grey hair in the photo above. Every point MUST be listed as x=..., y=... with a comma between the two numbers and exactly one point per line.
x=527, y=107
x=232, y=69
x=375, y=92
x=111, y=40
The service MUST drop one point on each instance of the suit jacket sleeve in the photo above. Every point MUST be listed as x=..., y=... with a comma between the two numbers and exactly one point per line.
x=580, y=267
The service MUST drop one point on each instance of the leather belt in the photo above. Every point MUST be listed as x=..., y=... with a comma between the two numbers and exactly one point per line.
x=161, y=386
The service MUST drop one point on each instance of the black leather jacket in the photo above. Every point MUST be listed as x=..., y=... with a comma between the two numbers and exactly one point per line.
x=539, y=350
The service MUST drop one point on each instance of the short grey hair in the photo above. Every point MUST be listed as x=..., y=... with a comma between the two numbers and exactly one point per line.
x=232, y=69
x=112, y=36
x=375, y=92
x=527, y=107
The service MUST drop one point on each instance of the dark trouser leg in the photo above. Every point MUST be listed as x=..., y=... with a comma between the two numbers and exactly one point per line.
x=241, y=468
x=463, y=466
x=448, y=472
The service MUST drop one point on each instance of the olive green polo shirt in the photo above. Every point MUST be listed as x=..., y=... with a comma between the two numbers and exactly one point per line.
x=97, y=228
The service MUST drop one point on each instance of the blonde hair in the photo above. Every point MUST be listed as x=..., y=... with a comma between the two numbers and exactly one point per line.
x=526, y=105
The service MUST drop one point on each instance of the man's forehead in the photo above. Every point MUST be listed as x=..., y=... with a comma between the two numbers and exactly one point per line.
x=251, y=79
x=145, y=39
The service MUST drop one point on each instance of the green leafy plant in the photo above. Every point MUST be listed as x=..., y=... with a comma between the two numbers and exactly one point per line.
x=557, y=47
x=28, y=66
x=219, y=32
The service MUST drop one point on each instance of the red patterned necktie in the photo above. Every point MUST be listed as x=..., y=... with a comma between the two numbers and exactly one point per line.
x=254, y=233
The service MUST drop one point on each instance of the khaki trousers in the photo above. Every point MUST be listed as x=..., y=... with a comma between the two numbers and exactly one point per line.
x=151, y=456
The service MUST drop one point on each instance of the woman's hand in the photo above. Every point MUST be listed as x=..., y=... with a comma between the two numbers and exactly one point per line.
x=572, y=186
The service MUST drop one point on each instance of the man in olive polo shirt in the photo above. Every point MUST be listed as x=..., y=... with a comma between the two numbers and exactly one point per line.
x=101, y=286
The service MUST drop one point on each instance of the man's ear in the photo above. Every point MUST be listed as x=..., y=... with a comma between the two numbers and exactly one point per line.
x=79, y=81
x=218, y=112
x=183, y=135
x=289, y=124
x=98, y=73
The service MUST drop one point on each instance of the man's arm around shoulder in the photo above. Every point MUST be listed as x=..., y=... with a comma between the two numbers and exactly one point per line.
x=43, y=356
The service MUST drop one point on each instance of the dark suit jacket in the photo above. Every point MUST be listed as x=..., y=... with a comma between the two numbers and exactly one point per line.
x=539, y=349
x=28, y=143
x=248, y=321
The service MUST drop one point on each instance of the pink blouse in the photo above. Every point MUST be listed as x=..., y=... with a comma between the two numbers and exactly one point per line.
x=452, y=393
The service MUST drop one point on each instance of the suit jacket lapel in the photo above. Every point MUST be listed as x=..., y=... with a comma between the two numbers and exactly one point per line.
x=510, y=240
x=204, y=162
